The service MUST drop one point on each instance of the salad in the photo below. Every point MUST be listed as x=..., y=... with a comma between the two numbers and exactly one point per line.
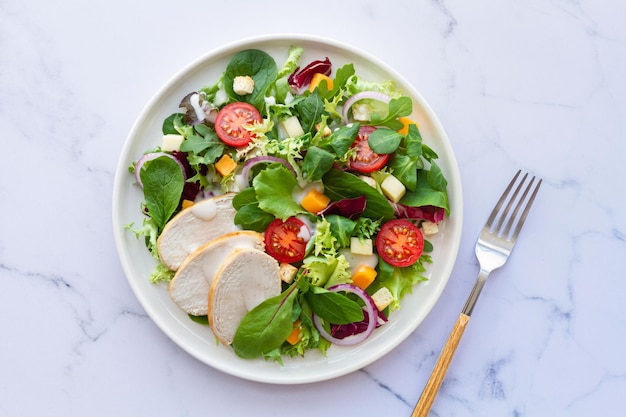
x=328, y=168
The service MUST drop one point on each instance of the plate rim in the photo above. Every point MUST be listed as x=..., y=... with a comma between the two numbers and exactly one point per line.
x=121, y=179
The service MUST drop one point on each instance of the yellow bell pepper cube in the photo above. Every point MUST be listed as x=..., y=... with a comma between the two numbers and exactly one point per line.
x=294, y=336
x=317, y=79
x=187, y=203
x=363, y=276
x=406, y=122
x=314, y=201
x=225, y=165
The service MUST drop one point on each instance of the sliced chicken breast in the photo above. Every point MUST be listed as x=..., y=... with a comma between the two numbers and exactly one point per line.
x=195, y=226
x=245, y=279
x=189, y=288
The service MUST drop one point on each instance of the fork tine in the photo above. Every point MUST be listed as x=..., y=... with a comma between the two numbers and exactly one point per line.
x=526, y=210
x=498, y=206
x=519, y=204
x=505, y=213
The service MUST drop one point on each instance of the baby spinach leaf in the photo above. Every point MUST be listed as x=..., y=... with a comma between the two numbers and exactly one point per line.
x=339, y=185
x=310, y=110
x=249, y=216
x=253, y=218
x=430, y=190
x=333, y=307
x=257, y=64
x=194, y=144
x=384, y=140
x=265, y=327
x=428, y=153
x=405, y=169
x=168, y=127
x=413, y=142
x=341, y=139
x=204, y=320
x=341, y=77
x=163, y=184
x=316, y=163
x=244, y=198
x=398, y=107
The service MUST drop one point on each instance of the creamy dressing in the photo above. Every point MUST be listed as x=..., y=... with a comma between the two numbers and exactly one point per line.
x=356, y=260
x=308, y=223
x=194, y=100
x=304, y=233
x=205, y=210
x=298, y=193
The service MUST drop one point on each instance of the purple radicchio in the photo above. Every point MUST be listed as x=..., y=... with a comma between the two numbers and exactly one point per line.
x=348, y=207
x=190, y=189
x=341, y=331
x=197, y=109
x=302, y=77
x=430, y=213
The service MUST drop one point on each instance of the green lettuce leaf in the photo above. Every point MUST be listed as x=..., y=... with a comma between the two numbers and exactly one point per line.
x=326, y=271
x=163, y=184
x=399, y=281
x=274, y=186
x=430, y=190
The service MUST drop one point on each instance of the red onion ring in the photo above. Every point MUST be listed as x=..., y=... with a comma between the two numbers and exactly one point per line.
x=263, y=159
x=370, y=309
x=373, y=95
x=151, y=156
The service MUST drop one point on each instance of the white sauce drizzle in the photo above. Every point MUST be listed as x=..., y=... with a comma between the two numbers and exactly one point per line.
x=195, y=103
x=205, y=210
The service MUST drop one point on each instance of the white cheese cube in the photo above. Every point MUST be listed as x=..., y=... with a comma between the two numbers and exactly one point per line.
x=369, y=180
x=243, y=84
x=382, y=298
x=287, y=272
x=292, y=127
x=361, y=112
x=393, y=188
x=171, y=142
x=429, y=228
x=359, y=247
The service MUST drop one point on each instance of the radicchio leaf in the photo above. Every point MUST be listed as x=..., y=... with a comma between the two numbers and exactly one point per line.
x=190, y=189
x=196, y=108
x=430, y=213
x=348, y=207
x=301, y=77
x=341, y=331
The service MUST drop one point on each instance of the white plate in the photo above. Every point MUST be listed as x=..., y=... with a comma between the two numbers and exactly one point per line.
x=197, y=339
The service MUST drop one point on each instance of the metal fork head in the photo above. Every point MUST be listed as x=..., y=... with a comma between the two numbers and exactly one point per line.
x=505, y=222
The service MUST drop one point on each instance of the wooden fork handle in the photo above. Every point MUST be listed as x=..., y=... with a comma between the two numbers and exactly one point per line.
x=441, y=367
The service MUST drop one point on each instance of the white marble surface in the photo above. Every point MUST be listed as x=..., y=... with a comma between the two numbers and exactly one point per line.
x=537, y=85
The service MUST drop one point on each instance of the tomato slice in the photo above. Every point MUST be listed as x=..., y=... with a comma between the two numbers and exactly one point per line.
x=365, y=160
x=286, y=241
x=400, y=243
x=230, y=122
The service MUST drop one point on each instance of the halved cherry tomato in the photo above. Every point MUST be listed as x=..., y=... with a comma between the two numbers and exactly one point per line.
x=230, y=122
x=400, y=243
x=366, y=160
x=286, y=241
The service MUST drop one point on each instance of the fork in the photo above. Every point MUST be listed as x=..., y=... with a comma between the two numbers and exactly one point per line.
x=495, y=243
